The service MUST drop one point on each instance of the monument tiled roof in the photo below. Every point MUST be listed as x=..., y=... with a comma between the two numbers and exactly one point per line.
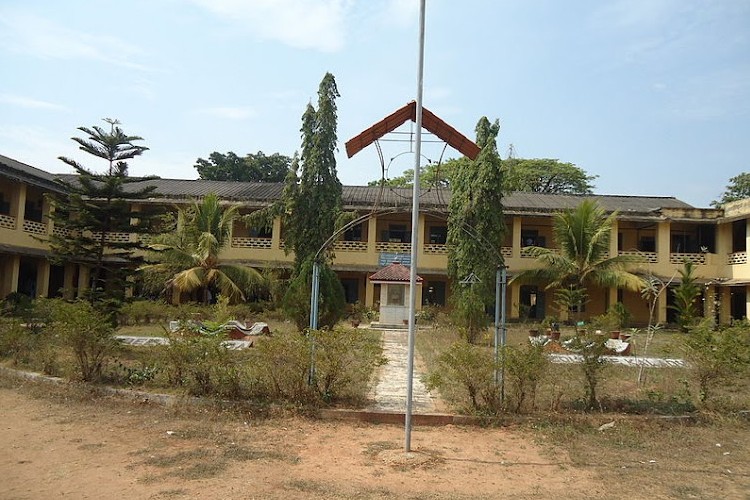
x=394, y=272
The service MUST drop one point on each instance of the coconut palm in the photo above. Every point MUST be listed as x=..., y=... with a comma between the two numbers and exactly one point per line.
x=190, y=255
x=582, y=259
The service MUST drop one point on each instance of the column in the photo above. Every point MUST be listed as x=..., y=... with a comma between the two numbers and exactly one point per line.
x=18, y=207
x=42, y=278
x=613, y=246
x=514, y=290
x=276, y=233
x=661, y=308
x=516, y=241
x=663, y=242
x=747, y=301
x=418, y=305
x=420, y=236
x=369, y=292
x=15, y=272
x=9, y=265
x=725, y=305
x=372, y=235
x=84, y=275
x=68, y=285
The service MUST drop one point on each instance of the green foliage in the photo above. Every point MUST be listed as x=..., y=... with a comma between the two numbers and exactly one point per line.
x=87, y=334
x=468, y=313
x=717, y=356
x=475, y=222
x=525, y=366
x=737, y=189
x=473, y=368
x=582, y=258
x=252, y=168
x=97, y=205
x=591, y=348
x=546, y=175
x=15, y=341
x=431, y=175
x=344, y=362
x=685, y=297
x=332, y=303
x=191, y=254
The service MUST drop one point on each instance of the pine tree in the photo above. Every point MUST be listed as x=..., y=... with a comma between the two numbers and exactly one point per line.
x=476, y=229
x=96, y=211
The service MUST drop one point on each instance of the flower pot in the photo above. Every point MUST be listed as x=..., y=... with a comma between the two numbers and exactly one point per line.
x=614, y=334
x=555, y=335
x=625, y=337
x=533, y=333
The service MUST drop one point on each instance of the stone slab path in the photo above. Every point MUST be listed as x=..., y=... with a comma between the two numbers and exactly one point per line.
x=624, y=360
x=389, y=393
x=232, y=345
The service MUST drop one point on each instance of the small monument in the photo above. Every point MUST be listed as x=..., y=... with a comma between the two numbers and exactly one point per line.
x=394, y=293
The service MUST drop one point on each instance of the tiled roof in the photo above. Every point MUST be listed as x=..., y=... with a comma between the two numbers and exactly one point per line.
x=393, y=272
x=369, y=197
x=26, y=173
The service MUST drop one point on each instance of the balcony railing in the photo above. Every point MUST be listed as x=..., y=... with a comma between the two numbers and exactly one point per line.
x=506, y=252
x=246, y=242
x=435, y=248
x=34, y=227
x=7, y=222
x=736, y=258
x=650, y=257
x=113, y=237
x=680, y=258
x=350, y=246
x=387, y=246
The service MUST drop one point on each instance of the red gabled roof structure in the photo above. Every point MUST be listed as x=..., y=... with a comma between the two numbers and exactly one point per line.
x=394, y=272
x=430, y=121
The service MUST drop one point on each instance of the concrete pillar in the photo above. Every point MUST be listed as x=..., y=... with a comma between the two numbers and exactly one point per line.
x=661, y=308
x=514, y=290
x=276, y=233
x=747, y=236
x=18, y=206
x=725, y=305
x=613, y=247
x=84, y=275
x=372, y=234
x=68, y=285
x=369, y=292
x=42, y=278
x=747, y=301
x=9, y=277
x=420, y=236
x=418, y=305
x=663, y=242
x=516, y=239
x=47, y=210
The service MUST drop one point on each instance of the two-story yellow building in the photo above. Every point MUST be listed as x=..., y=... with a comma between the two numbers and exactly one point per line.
x=663, y=231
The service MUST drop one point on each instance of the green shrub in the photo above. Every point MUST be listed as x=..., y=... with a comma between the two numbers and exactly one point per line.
x=591, y=348
x=525, y=366
x=717, y=356
x=16, y=342
x=345, y=360
x=473, y=369
x=87, y=333
x=283, y=363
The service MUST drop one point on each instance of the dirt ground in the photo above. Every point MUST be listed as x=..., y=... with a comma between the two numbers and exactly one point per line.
x=83, y=447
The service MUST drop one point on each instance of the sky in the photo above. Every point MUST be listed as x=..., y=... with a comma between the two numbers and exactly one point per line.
x=652, y=96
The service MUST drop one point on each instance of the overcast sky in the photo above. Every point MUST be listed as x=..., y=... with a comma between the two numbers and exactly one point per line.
x=653, y=96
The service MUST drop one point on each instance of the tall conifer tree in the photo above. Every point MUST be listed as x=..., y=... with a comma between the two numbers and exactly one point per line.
x=96, y=213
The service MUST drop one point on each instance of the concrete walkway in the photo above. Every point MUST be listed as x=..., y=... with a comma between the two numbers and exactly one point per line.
x=390, y=392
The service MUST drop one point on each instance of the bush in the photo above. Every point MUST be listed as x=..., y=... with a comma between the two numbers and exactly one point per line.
x=15, y=341
x=717, y=356
x=283, y=363
x=473, y=369
x=525, y=365
x=344, y=362
x=591, y=348
x=87, y=333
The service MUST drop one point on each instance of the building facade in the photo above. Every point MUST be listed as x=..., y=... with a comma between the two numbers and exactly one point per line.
x=662, y=231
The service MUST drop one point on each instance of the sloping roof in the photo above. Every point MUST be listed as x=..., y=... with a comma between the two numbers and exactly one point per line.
x=22, y=172
x=394, y=272
x=367, y=197
x=430, y=121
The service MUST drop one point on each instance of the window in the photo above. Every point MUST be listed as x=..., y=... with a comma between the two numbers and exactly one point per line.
x=531, y=238
x=396, y=233
x=263, y=232
x=353, y=233
x=396, y=294
x=647, y=244
x=438, y=234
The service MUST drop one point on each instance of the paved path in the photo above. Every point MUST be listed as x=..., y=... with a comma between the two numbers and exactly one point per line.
x=390, y=392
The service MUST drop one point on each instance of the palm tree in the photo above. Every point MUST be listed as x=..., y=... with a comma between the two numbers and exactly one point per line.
x=582, y=259
x=190, y=255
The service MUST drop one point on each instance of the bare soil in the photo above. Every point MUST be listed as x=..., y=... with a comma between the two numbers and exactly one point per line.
x=64, y=441
x=65, y=444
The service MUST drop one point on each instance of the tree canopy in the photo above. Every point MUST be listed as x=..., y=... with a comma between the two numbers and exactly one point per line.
x=256, y=167
x=737, y=189
x=546, y=175
x=475, y=228
x=97, y=210
x=537, y=175
x=189, y=256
